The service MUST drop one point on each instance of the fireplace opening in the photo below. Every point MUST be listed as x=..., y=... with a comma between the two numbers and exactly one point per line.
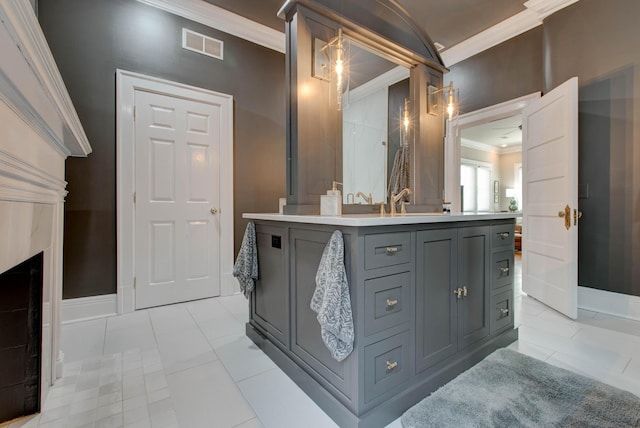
x=20, y=339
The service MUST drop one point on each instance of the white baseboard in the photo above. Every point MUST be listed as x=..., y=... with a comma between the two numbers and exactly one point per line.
x=607, y=302
x=88, y=308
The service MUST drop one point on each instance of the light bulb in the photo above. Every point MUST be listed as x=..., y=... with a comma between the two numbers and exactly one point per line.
x=450, y=106
x=339, y=67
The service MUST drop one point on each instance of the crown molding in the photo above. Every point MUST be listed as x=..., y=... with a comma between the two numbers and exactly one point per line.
x=31, y=82
x=464, y=142
x=536, y=11
x=223, y=20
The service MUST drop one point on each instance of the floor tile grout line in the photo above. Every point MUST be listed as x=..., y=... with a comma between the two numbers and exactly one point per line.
x=227, y=369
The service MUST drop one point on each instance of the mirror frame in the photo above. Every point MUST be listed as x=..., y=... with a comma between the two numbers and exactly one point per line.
x=303, y=191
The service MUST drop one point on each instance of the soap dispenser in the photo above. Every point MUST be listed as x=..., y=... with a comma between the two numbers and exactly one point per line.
x=331, y=203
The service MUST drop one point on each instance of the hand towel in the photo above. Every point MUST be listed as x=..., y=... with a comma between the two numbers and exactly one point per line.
x=246, y=266
x=331, y=300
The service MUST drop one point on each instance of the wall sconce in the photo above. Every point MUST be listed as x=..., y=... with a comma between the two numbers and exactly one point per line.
x=336, y=51
x=452, y=96
x=406, y=123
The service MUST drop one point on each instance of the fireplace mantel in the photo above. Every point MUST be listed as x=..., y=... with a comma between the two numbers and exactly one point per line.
x=40, y=129
x=31, y=83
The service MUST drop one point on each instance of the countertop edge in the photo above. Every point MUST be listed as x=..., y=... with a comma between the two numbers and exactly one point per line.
x=377, y=220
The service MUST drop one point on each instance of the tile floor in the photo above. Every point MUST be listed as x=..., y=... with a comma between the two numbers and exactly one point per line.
x=190, y=365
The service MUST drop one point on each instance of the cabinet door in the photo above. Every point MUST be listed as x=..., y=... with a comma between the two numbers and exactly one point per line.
x=306, y=247
x=271, y=294
x=436, y=276
x=473, y=275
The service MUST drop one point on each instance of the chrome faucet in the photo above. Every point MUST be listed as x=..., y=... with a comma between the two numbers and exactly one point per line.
x=395, y=198
x=367, y=199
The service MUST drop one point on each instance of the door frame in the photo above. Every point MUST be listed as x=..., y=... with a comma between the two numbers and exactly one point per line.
x=126, y=84
x=453, y=137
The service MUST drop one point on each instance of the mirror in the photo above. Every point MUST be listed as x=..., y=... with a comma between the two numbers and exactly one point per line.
x=373, y=102
x=371, y=117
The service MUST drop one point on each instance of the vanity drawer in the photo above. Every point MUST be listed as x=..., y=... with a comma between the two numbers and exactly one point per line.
x=502, y=311
x=386, y=302
x=502, y=269
x=386, y=365
x=502, y=236
x=387, y=249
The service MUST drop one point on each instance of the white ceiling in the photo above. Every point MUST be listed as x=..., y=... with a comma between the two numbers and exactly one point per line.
x=496, y=135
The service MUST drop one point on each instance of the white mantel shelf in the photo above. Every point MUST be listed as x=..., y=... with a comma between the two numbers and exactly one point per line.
x=360, y=220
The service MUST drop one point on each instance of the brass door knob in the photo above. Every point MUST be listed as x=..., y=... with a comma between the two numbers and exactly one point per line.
x=576, y=215
x=214, y=210
x=566, y=214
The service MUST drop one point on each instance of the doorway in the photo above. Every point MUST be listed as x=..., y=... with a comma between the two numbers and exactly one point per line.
x=503, y=115
x=175, y=184
x=491, y=166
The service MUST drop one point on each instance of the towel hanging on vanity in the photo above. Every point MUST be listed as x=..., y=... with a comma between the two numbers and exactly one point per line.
x=246, y=266
x=331, y=300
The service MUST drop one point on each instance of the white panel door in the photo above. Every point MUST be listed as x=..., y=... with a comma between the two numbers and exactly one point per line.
x=177, y=230
x=550, y=194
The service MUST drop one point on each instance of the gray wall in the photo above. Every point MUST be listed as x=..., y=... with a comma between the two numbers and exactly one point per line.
x=598, y=42
x=89, y=40
x=609, y=127
x=502, y=73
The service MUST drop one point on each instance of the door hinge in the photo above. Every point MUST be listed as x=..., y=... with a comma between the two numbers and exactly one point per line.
x=134, y=197
x=134, y=113
x=135, y=282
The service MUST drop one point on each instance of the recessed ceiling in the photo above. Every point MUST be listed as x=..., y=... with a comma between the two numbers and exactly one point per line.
x=498, y=133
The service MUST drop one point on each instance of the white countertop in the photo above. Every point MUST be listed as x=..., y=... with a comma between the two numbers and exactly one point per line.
x=378, y=220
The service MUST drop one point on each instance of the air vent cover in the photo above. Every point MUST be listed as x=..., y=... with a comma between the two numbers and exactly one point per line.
x=202, y=44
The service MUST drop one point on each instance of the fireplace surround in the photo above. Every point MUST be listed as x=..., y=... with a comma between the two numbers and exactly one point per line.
x=40, y=129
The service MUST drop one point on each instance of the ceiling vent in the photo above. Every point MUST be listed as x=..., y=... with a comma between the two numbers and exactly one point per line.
x=202, y=44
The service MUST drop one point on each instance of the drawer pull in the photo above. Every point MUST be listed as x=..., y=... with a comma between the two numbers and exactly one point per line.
x=504, y=270
x=391, y=304
x=503, y=235
x=391, y=251
x=391, y=365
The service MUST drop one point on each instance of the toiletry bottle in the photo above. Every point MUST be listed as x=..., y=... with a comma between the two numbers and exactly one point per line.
x=331, y=203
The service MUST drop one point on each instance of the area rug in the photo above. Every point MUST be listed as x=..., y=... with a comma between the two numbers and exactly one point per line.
x=508, y=389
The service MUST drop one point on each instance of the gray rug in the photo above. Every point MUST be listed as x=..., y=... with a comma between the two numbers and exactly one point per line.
x=508, y=389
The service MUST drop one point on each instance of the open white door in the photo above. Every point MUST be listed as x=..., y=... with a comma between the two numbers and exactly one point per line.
x=550, y=195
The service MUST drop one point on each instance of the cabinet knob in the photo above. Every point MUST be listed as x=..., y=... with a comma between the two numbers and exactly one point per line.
x=461, y=292
x=504, y=269
x=504, y=312
x=391, y=365
x=391, y=304
x=214, y=210
x=503, y=235
x=391, y=251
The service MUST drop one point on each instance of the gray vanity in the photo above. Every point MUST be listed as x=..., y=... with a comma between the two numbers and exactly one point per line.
x=431, y=296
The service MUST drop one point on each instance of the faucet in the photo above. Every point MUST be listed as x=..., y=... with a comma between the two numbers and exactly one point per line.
x=395, y=198
x=367, y=199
